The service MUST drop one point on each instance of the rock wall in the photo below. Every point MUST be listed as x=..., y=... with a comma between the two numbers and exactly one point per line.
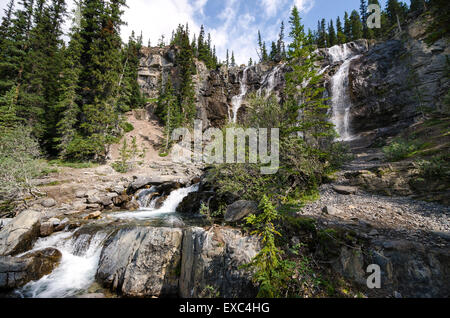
x=170, y=262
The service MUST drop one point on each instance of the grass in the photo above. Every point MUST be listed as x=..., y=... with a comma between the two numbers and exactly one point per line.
x=74, y=165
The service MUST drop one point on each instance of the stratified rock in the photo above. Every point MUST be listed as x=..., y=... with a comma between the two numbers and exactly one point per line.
x=345, y=190
x=142, y=262
x=240, y=209
x=16, y=272
x=94, y=215
x=212, y=260
x=18, y=235
x=62, y=225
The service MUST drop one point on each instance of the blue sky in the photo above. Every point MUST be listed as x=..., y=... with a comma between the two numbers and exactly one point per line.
x=233, y=24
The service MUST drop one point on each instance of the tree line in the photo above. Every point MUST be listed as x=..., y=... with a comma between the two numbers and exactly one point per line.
x=71, y=95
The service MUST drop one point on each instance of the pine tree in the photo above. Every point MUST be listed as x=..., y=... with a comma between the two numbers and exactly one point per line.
x=347, y=28
x=356, y=26
x=417, y=6
x=274, y=54
x=250, y=62
x=233, y=61
x=340, y=32
x=228, y=58
x=281, y=48
x=332, y=40
x=303, y=94
x=323, y=41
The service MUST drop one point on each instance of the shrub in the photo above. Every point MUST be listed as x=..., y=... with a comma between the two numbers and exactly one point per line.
x=437, y=167
x=401, y=149
x=19, y=161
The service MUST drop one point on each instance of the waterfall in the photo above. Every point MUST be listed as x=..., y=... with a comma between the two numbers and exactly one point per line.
x=269, y=82
x=76, y=271
x=340, y=98
x=169, y=206
x=236, y=101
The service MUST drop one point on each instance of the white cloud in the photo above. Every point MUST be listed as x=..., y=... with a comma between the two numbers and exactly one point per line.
x=304, y=5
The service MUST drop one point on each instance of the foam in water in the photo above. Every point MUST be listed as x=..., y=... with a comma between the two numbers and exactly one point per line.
x=340, y=100
x=169, y=206
x=269, y=81
x=76, y=272
x=236, y=101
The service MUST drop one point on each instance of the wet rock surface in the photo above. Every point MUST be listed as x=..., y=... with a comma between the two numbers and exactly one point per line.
x=15, y=272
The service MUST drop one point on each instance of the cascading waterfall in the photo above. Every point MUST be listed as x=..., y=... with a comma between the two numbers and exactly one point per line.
x=236, y=101
x=269, y=82
x=340, y=99
x=76, y=272
x=169, y=206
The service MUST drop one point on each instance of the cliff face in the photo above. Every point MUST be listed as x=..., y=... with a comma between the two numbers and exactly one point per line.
x=386, y=85
x=397, y=79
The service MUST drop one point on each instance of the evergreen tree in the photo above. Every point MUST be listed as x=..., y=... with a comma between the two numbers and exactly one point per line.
x=304, y=109
x=250, y=62
x=332, y=39
x=228, y=58
x=233, y=61
x=322, y=36
x=347, y=28
x=274, y=54
x=417, y=6
x=281, y=47
x=340, y=32
x=356, y=26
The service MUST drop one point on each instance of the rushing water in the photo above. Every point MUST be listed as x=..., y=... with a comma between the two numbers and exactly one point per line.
x=340, y=97
x=76, y=272
x=236, y=101
x=269, y=82
x=148, y=211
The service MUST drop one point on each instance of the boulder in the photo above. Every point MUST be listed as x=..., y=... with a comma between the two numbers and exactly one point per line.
x=141, y=182
x=240, y=209
x=212, y=260
x=142, y=262
x=62, y=225
x=80, y=194
x=48, y=203
x=94, y=215
x=19, y=234
x=15, y=272
x=192, y=203
x=345, y=190
x=46, y=229
x=331, y=210
x=131, y=205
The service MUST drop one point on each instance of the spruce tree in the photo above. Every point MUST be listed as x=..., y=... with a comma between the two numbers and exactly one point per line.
x=356, y=26
x=340, y=32
x=304, y=109
x=347, y=28
x=332, y=40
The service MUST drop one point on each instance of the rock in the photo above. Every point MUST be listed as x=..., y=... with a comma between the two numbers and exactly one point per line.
x=4, y=222
x=18, y=235
x=131, y=205
x=142, y=262
x=17, y=272
x=46, y=229
x=141, y=182
x=192, y=203
x=212, y=260
x=94, y=215
x=80, y=194
x=397, y=294
x=48, y=203
x=62, y=225
x=54, y=221
x=239, y=210
x=374, y=232
x=345, y=190
x=331, y=210
x=121, y=199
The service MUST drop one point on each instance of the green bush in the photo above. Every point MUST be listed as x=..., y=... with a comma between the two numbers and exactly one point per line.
x=127, y=127
x=19, y=161
x=400, y=149
x=437, y=167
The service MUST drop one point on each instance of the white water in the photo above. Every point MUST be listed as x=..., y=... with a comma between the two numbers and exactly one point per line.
x=269, y=81
x=169, y=206
x=236, y=101
x=340, y=98
x=76, y=272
